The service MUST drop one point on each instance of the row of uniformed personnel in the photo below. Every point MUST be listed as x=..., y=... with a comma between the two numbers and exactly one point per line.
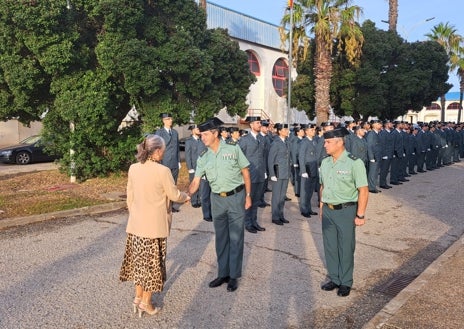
x=237, y=178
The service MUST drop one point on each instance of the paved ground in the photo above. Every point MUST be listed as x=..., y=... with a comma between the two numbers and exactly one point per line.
x=64, y=272
x=9, y=169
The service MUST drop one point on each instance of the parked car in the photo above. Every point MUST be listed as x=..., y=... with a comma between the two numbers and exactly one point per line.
x=182, y=143
x=29, y=150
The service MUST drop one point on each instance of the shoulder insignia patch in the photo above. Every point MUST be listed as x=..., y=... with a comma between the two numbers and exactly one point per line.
x=230, y=142
x=352, y=157
x=203, y=152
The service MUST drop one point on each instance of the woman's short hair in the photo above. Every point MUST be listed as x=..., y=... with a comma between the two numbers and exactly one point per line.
x=150, y=144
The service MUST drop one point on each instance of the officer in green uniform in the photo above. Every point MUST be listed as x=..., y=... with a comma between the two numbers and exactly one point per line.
x=344, y=194
x=226, y=169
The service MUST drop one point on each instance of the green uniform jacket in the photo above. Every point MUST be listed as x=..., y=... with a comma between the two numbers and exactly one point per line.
x=342, y=179
x=223, y=169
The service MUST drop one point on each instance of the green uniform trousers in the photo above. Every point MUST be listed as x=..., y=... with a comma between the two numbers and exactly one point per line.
x=338, y=232
x=228, y=219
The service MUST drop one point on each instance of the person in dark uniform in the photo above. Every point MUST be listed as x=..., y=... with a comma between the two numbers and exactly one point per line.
x=226, y=169
x=267, y=138
x=387, y=144
x=294, y=154
x=359, y=144
x=309, y=171
x=224, y=134
x=423, y=145
x=344, y=195
x=252, y=146
x=398, y=154
x=349, y=125
x=279, y=171
x=234, y=133
x=321, y=152
x=412, y=161
x=171, y=157
x=374, y=155
x=193, y=147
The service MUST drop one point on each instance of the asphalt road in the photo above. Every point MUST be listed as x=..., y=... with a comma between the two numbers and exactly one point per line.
x=9, y=169
x=64, y=272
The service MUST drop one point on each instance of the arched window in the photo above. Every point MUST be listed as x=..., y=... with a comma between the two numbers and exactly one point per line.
x=453, y=106
x=279, y=76
x=253, y=63
x=433, y=106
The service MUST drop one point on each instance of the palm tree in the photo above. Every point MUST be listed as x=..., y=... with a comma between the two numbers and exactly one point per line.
x=446, y=35
x=326, y=20
x=461, y=80
x=203, y=4
x=392, y=15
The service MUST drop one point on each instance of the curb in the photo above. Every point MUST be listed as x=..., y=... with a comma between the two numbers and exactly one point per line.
x=90, y=210
x=389, y=310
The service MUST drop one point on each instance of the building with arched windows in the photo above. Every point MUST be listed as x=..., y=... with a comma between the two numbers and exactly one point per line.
x=433, y=111
x=261, y=41
x=267, y=60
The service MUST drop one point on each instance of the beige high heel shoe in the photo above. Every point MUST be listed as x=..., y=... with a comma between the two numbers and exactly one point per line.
x=147, y=308
x=136, y=303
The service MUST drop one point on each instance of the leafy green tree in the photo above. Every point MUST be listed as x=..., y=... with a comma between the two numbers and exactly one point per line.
x=395, y=76
x=89, y=63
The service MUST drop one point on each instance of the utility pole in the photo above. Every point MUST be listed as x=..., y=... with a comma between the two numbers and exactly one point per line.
x=290, y=61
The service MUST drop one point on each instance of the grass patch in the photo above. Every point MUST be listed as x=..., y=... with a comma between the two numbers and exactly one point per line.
x=42, y=192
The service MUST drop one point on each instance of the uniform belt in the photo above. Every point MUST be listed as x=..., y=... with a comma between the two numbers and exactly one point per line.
x=341, y=205
x=236, y=190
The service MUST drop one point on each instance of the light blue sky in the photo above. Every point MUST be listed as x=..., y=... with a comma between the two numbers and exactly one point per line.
x=412, y=15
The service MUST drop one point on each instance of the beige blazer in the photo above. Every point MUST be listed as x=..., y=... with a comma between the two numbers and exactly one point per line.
x=150, y=190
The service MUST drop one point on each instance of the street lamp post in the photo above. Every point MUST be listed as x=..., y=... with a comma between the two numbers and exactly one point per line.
x=290, y=61
x=72, y=127
x=406, y=32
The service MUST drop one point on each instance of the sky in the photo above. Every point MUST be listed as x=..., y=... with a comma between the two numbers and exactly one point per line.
x=413, y=16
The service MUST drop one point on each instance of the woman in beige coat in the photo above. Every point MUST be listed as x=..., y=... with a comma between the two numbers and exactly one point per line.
x=150, y=191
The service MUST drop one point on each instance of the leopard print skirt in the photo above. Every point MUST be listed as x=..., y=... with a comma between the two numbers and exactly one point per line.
x=145, y=262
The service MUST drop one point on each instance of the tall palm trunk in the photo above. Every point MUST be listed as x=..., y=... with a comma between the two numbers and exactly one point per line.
x=392, y=15
x=461, y=92
x=323, y=76
x=442, y=104
x=203, y=4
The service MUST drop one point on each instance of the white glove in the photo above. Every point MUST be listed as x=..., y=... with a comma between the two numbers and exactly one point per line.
x=265, y=175
x=295, y=165
x=413, y=153
x=385, y=157
x=428, y=150
x=305, y=175
x=191, y=171
x=180, y=166
x=203, y=177
x=373, y=160
x=274, y=178
x=404, y=154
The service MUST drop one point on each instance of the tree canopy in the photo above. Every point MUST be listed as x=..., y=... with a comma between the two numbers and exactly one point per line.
x=394, y=76
x=90, y=62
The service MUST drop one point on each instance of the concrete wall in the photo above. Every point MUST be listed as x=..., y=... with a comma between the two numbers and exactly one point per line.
x=12, y=131
x=262, y=95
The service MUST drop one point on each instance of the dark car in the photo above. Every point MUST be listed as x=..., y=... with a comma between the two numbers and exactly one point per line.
x=182, y=143
x=29, y=150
